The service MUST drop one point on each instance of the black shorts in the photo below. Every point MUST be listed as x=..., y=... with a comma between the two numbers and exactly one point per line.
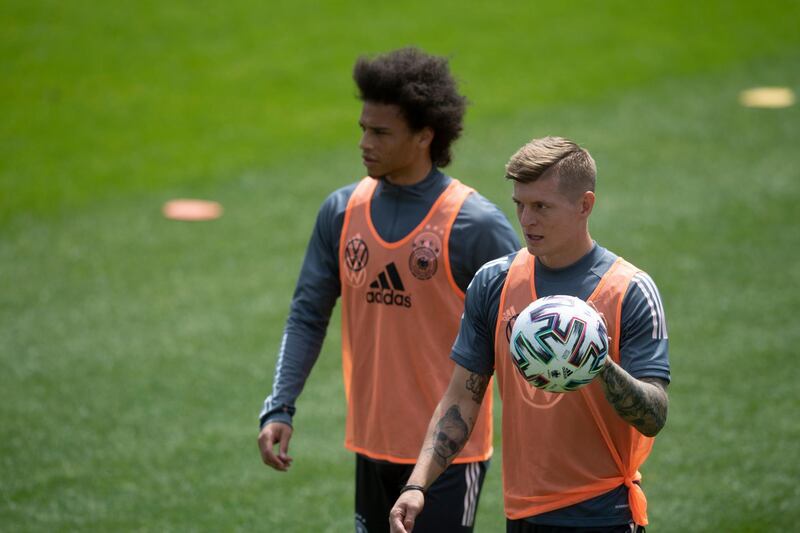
x=450, y=503
x=522, y=526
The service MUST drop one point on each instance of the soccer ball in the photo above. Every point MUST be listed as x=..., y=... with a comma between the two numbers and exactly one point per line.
x=559, y=343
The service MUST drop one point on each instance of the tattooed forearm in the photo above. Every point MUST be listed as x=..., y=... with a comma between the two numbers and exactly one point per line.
x=476, y=384
x=642, y=403
x=449, y=436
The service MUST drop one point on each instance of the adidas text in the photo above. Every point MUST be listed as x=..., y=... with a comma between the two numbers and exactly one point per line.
x=388, y=298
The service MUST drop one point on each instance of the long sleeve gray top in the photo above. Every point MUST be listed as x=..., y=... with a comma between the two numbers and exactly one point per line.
x=481, y=232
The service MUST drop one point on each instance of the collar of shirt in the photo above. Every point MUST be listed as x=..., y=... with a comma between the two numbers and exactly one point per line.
x=434, y=182
x=576, y=269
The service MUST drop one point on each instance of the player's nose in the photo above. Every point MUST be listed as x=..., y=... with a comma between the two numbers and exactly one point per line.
x=527, y=217
x=365, y=144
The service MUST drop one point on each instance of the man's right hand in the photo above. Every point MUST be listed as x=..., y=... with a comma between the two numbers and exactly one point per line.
x=405, y=511
x=272, y=434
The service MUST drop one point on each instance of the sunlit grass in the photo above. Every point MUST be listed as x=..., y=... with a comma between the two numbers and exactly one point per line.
x=135, y=351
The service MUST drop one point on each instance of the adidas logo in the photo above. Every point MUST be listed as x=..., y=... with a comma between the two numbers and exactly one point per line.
x=387, y=289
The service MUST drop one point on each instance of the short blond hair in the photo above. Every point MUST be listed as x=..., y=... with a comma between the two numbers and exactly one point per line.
x=571, y=164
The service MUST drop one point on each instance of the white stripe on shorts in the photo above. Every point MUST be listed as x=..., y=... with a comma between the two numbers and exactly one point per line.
x=472, y=476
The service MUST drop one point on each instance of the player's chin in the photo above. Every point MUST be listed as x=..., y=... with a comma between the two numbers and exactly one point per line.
x=534, y=246
x=374, y=171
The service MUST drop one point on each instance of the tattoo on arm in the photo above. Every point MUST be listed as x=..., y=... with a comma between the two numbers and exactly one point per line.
x=642, y=403
x=476, y=384
x=449, y=436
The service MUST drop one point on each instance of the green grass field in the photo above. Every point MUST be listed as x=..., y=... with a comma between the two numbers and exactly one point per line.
x=135, y=352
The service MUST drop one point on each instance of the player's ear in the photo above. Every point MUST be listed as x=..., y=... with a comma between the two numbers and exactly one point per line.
x=425, y=137
x=587, y=203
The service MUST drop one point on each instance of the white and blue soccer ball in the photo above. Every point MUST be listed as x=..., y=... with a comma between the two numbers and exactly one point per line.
x=559, y=343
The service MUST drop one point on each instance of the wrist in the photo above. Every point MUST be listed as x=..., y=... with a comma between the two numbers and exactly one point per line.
x=411, y=486
x=282, y=413
x=607, y=364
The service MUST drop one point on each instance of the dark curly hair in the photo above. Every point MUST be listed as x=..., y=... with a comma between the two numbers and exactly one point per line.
x=421, y=85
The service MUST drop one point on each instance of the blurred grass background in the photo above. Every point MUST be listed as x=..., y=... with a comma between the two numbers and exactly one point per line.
x=135, y=351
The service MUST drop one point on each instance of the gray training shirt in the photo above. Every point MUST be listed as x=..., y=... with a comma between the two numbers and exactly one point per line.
x=643, y=348
x=480, y=233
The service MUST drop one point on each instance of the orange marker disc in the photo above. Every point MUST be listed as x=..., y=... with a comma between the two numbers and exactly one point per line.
x=769, y=97
x=192, y=210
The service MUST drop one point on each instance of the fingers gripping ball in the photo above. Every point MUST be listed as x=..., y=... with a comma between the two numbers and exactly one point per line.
x=559, y=343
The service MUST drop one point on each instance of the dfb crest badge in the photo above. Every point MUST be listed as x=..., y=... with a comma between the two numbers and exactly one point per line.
x=424, y=259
